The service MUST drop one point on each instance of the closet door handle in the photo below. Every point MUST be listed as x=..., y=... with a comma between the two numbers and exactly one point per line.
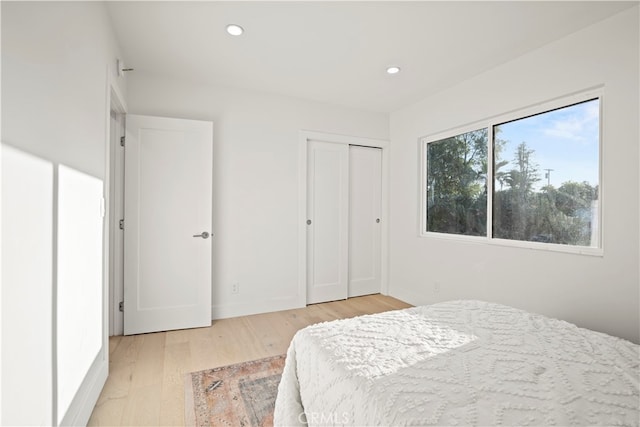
x=204, y=235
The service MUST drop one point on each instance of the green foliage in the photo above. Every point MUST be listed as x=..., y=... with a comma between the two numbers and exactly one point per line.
x=457, y=194
x=457, y=184
x=548, y=215
x=573, y=197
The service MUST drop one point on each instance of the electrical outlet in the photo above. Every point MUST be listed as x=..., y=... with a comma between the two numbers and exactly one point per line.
x=436, y=287
x=235, y=288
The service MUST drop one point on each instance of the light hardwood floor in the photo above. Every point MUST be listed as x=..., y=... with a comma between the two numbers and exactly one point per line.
x=146, y=372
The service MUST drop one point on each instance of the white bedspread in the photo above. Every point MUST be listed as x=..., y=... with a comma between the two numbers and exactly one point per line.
x=458, y=363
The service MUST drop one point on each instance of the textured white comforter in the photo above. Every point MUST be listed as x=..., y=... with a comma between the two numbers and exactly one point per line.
x=458, y=363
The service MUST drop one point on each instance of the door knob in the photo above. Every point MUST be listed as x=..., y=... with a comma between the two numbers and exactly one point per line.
x=204, y=235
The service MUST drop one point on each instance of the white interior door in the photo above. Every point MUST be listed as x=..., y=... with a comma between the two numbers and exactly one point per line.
x=328, y=221
x=167, y=216
x=365, y=206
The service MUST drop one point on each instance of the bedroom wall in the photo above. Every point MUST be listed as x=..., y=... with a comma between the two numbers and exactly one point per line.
x=255, y=168
x=56, y=61
x=600, y=293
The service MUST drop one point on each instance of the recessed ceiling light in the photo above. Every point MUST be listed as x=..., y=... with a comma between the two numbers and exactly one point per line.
x=393, y=70
x=235, y=30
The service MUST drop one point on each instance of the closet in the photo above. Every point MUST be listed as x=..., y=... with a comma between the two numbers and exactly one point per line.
x=344, y=207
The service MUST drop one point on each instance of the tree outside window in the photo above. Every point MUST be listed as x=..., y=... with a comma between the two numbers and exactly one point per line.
x=544, y=176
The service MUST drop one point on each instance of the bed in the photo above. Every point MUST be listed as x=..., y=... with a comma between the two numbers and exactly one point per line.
x=458, y=363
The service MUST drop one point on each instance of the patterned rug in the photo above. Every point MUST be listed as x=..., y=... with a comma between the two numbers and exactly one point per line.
x=236, y=395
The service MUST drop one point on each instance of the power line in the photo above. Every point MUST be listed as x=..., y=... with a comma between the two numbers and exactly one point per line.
x=548, y=176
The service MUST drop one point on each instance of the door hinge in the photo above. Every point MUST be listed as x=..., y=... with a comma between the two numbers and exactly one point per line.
x=122, y=141
x=121, y=306
x=121, y=222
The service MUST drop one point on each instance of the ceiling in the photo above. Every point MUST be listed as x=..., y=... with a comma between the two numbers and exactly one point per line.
x=337, y=52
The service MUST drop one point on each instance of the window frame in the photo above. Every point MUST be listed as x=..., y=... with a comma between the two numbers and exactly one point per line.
x=489, y=124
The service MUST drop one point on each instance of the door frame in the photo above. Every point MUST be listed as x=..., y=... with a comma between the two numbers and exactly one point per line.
x=303, y=141
x=115, y=169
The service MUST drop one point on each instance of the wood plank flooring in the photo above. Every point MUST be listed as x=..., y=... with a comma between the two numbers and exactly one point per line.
x=146, y=372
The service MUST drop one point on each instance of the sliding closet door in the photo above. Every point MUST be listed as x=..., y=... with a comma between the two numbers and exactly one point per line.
x=328, y=221
x=365, y=193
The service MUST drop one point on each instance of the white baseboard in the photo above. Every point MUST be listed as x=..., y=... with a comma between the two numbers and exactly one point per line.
x=87, y=396
x=224, y=311
x=411, y=298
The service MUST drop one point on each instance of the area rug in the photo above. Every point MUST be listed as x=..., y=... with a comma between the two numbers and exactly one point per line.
x=236, y=395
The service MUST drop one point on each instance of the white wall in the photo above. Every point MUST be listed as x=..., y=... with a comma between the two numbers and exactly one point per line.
x=255, y=198
x=57, y=59
x=600, y=293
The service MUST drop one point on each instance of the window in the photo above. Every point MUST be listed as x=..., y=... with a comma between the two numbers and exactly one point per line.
x=457, y=184
x=542, y=185
x=545, y=176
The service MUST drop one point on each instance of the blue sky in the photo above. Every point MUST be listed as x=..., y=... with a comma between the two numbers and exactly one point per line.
x=565, y=140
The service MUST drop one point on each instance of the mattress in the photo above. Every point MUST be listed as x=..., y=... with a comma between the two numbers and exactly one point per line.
x=458, y=363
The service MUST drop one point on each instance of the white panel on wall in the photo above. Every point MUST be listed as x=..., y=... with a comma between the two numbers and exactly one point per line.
x=79, y=285
x=57, y=60
x=27, y=248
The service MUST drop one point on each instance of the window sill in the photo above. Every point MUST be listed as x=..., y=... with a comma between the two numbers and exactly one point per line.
x=548, y=247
